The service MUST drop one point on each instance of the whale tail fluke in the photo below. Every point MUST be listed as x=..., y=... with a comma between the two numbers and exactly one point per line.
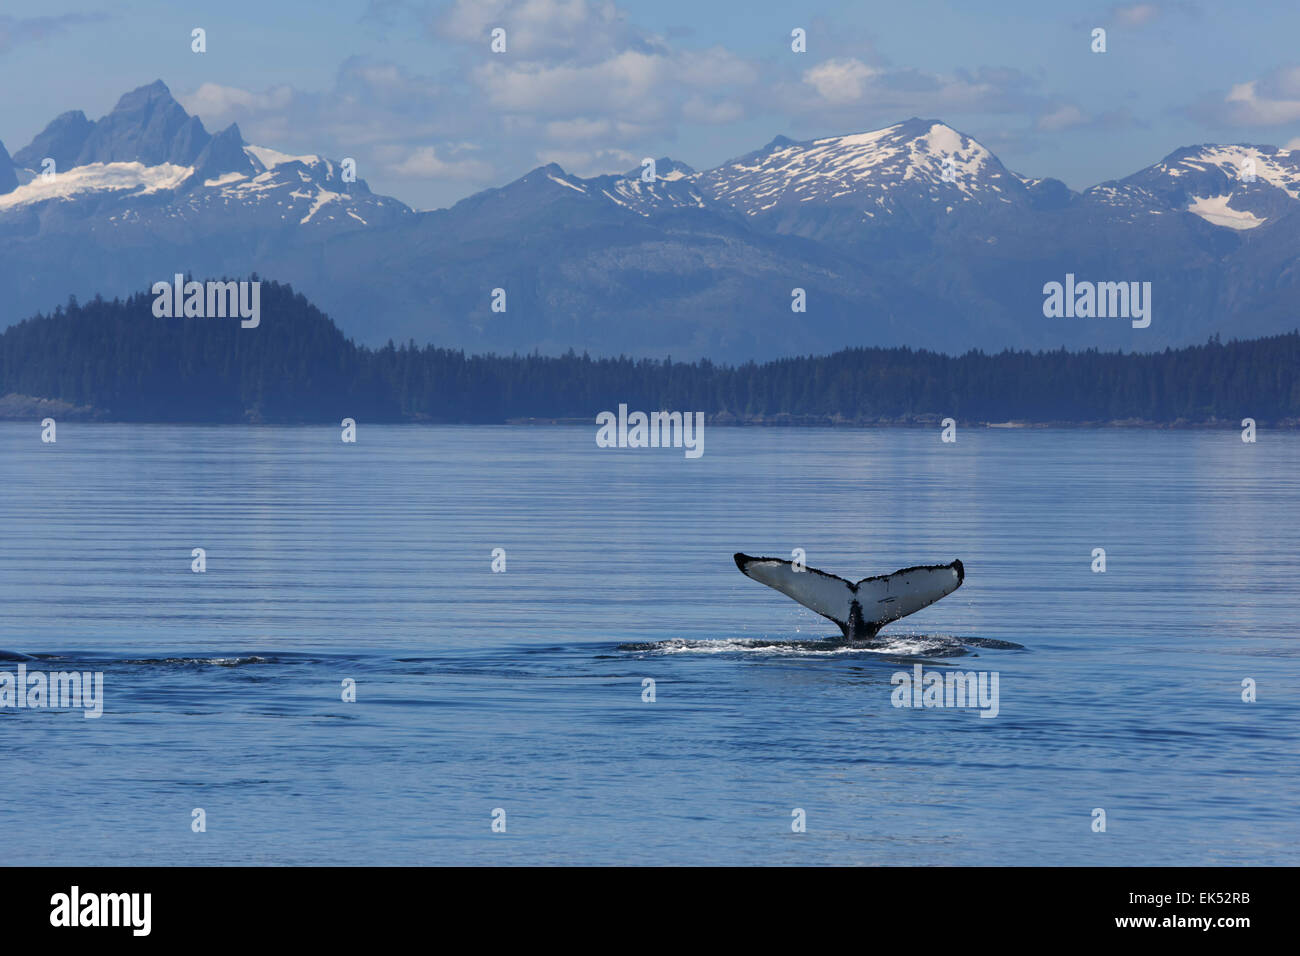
x=860, y=609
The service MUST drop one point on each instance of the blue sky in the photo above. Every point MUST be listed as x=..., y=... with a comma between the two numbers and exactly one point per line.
x=412, y=91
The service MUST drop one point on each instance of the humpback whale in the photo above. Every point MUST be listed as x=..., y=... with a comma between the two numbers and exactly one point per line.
x=15, y=656
x=860, y=609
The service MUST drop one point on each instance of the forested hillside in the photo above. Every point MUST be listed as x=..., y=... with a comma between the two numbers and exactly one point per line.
x=117, y=361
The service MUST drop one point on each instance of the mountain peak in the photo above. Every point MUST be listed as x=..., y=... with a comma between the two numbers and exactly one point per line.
x=665, y=168
x=921, y=165
x=224, y=153
x=61, y=141
x=157, y=90
x=146, y=126
x=1237, y=186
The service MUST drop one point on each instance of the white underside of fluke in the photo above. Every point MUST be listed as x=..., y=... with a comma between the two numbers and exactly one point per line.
x=863, y=608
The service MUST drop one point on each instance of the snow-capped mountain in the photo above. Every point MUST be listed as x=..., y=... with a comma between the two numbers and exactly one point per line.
x=1236, y=187
x=149, y=149
x=919, y=166
x=866, y=174
x=913, y=234
x=673, y=186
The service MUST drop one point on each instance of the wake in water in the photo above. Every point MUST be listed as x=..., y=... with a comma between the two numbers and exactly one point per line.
x=893, y=645
x=99, y=659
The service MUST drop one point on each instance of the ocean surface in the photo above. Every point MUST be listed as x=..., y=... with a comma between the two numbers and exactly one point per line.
x=523, y=691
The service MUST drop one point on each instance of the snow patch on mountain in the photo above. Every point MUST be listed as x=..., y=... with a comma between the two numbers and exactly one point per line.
x=1216, y=210
x=224, y=179
x=271, y=158
x=673, y=187
x=1277, y=167
x=135, y=179
x=644, y=198
x=565, y=182
x=323, y=196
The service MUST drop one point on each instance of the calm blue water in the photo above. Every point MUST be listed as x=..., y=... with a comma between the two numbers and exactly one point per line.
x=523, y=690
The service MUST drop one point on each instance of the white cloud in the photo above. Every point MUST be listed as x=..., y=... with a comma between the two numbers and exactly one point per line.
x=577, y=30
x=1062, y=117
x=629, y=82
x=841, y=81
x=423, y=162
x=1135, y=14
x=1273, y=100
x=590, y=162
x=580, y=129
x=219, y=106
x=15, y=31
x=703, y=111
x=848, y=90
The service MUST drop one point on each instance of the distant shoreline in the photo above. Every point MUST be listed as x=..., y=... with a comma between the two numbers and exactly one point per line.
x=732, y=422
x=117, y=361
x=26, y=408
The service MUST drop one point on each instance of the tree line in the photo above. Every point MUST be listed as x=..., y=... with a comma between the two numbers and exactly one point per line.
x=117, y=358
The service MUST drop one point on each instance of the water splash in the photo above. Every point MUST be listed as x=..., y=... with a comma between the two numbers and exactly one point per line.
x=894, y=645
